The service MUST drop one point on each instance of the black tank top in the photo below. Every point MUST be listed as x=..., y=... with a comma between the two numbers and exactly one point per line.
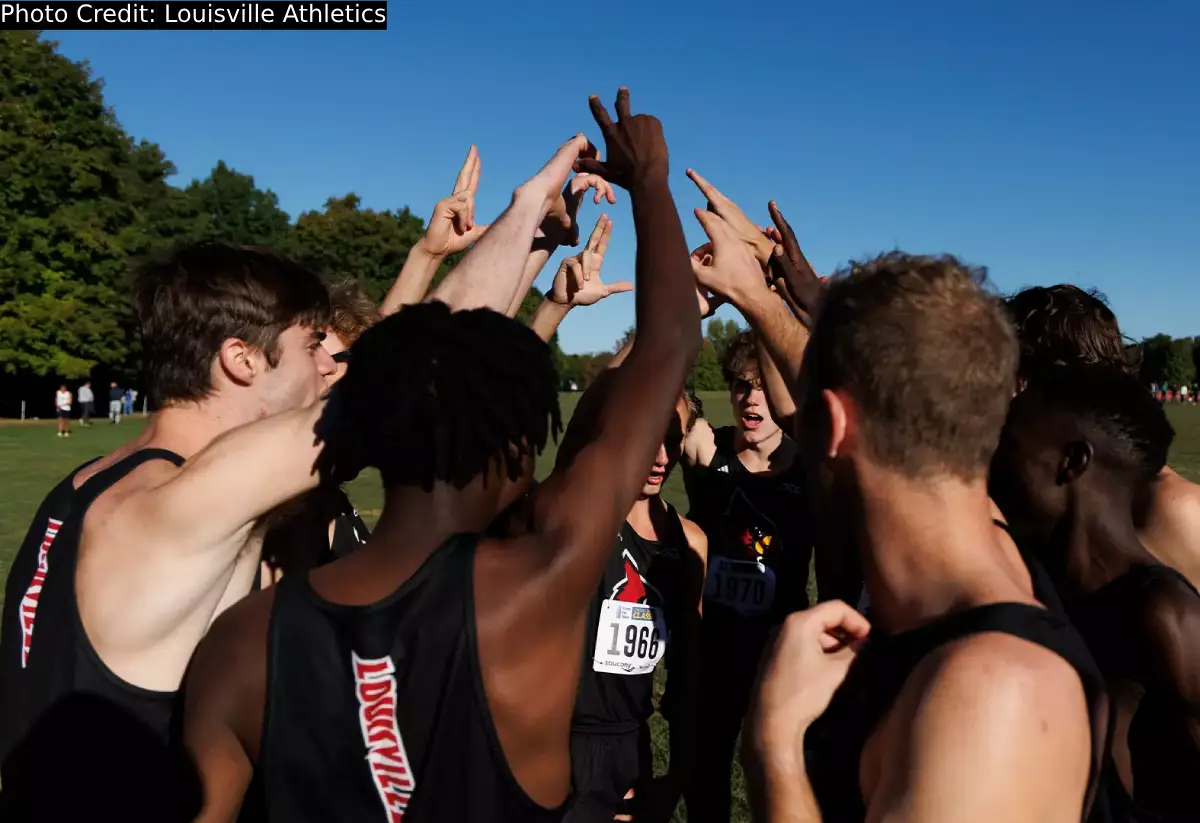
x=378, y=712
x=628, y=630
x=22, y=596
x=1163, y=756
x=302, y=542
x=760, y=539
x=834, y=743
x=67, y=696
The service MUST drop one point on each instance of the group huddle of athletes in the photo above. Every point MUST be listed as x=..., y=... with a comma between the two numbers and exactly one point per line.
x=200, y=626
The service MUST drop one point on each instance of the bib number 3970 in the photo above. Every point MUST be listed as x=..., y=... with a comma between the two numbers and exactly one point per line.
x=630, y=638
x=745, y=586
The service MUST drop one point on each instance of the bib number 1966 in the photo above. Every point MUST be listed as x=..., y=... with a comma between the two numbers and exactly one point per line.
x=630, y=638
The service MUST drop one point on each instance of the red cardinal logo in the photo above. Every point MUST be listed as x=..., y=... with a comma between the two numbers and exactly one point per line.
x=634, y=591
x=633, y=588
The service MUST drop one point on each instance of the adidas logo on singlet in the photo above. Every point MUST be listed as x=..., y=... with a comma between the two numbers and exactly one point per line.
x=724, y=469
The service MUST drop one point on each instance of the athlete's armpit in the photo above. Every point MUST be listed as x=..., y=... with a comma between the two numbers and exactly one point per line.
x=992, y=729
x=227, y=487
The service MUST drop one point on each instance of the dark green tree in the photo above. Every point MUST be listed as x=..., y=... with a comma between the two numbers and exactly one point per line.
x=232, y=208
x=1168, y=362
x=1181, y=363
x=721, y=333
x=78, y=196
x=345, y=238
x=706, y=370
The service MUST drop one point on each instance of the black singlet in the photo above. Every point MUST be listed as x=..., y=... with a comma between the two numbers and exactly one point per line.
x=378, y=712
x=760, y=538
x=22, y=595
x=67, y=699
x=302, y=541
x=628, y=630
x=1162, y=754
x=350, y=531
x=834, y=744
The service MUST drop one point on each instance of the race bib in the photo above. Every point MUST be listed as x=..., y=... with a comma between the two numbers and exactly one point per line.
x=630, y=639
x=746, y=586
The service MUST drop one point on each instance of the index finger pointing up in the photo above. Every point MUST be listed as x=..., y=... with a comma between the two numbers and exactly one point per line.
x=785, y=231
x=706, y=188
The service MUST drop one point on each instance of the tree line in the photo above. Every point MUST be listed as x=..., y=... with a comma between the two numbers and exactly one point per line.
x=1167, y=362
x=80, y=199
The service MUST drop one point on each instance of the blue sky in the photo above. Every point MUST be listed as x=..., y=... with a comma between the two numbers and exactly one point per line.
x=1051, y=142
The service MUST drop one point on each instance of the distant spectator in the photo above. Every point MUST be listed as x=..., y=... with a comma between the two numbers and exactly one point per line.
x=87, y=403
x=115, y=401
x=62, y=407
x=132, y=401
x=127, y=401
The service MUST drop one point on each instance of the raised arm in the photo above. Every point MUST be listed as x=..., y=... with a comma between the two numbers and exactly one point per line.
x=776, y=389
x=218, y=495
x=494, y=270
x=560, y=227
x=746, y=286
x=578, y=510
x=577, y=283
x=452, y=228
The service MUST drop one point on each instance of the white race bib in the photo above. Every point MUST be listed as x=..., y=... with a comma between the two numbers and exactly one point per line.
x=630, y=639
x=746, y=586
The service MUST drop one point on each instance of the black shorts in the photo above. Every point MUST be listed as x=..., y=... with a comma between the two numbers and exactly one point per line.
x=64, y=414
x=603, y=768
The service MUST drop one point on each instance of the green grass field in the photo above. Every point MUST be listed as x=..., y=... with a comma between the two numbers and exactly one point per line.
x=34, y=460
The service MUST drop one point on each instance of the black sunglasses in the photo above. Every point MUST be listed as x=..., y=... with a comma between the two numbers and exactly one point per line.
x=341, y=357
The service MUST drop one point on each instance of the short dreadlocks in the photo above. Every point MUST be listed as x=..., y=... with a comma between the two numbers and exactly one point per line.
x=436, y=396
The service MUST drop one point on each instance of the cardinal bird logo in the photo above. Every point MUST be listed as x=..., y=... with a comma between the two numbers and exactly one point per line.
x=748, y=531
x=633, y=588
x=755, y=542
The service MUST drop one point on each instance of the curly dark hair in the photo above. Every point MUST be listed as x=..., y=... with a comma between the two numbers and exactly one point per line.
x=1064, y=325
x=433, y=395
x=353, y=311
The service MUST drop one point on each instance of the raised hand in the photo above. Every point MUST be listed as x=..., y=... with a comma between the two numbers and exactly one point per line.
x=555, y=230
x=452, y=227
x=789, y=264
x=635, y=145
x=709, y=302
x=547, y=184
x=731, y=270
x=577, y=282
x=719, y=204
